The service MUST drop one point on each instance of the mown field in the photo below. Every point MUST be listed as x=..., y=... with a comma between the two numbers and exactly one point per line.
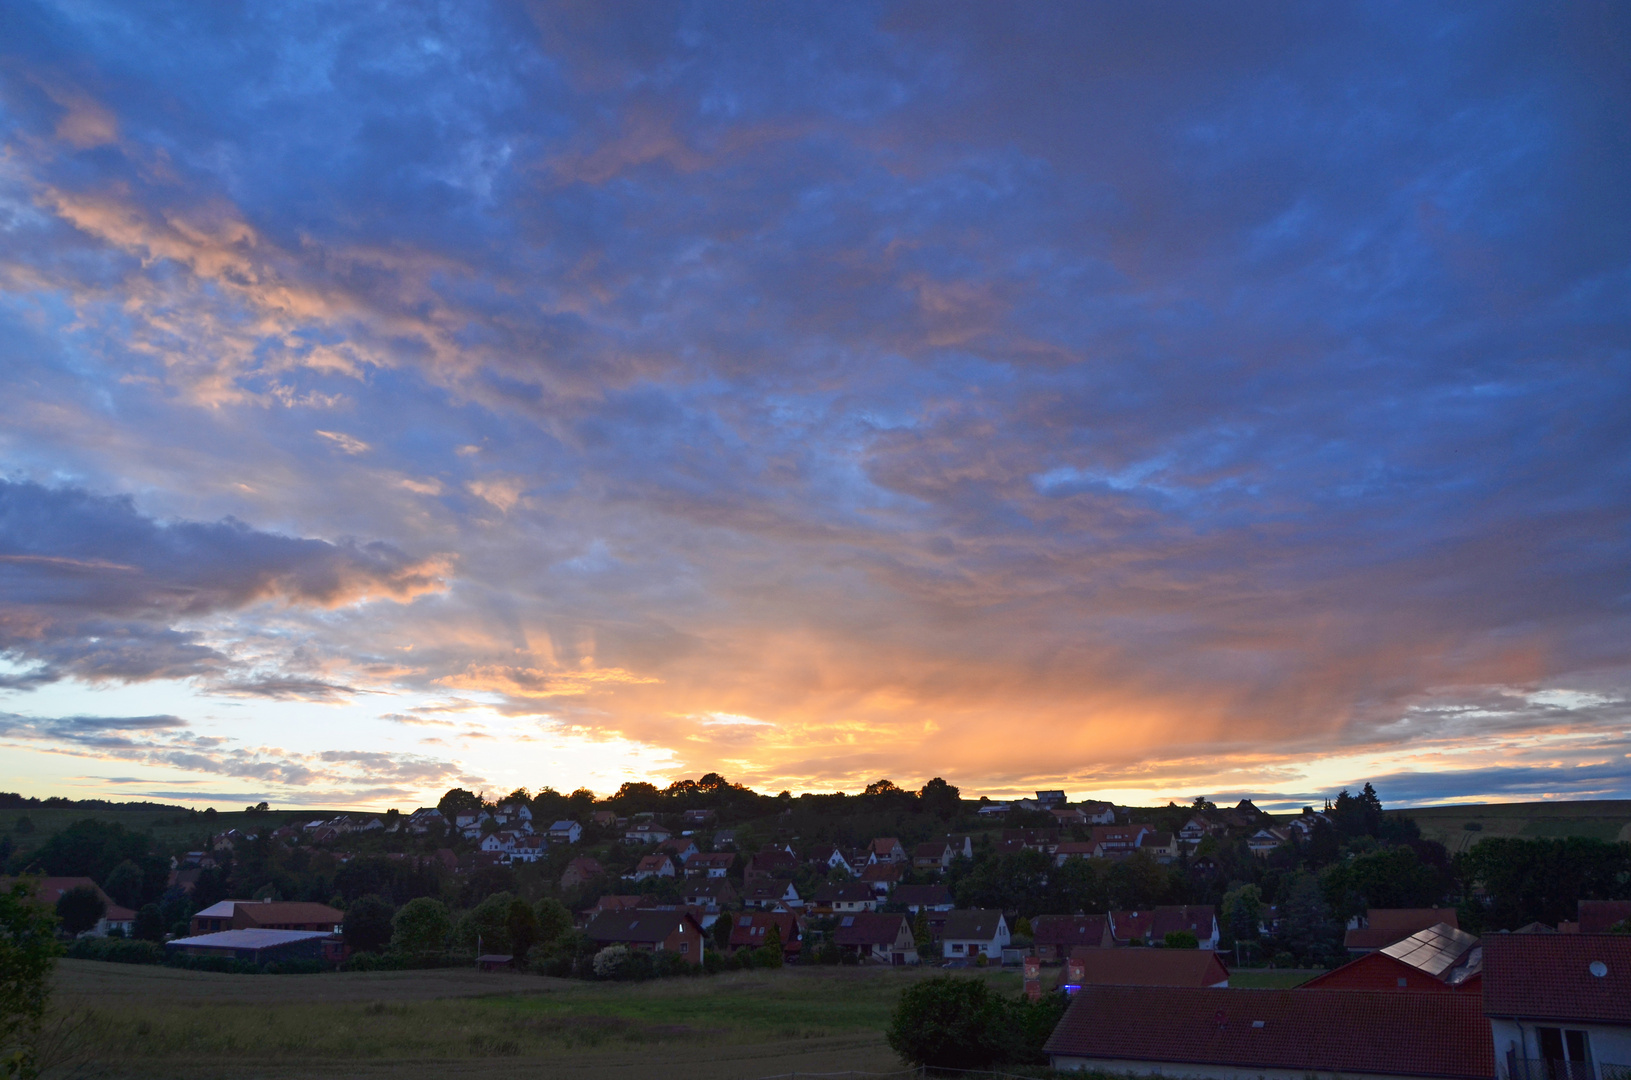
x=1601, y=820
x=151, y=1022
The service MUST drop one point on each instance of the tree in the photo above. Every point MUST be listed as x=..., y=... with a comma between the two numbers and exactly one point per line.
x=522, y=924
x=948, y=1023
x=79, y=909
x=458, y=801
x=28, y=948
x=1243, y=912
x=1542, y=880
x=367, y=926
x=93, y=849
x=149, y=923
x=769, y=955
x=486, y=926
x=421, y=925
x=940, y=799
x=1307, y=927
x=125, y=884
x=1389, y=877
x=554, y=920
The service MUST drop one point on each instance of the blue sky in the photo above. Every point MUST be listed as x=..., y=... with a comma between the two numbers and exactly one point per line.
x=1153, y=401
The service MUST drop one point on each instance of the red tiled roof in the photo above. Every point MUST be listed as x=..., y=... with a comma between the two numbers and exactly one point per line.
x=868, y=928
x=1068, y=930
x=1352, y=1031
x=1149, y=967
x=1195, y=918
x=1550, y=977
x=750, y=929
x=1126, y=925
x=283, y=912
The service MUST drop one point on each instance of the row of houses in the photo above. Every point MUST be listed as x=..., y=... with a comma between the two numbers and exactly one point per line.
x=1439, y=1003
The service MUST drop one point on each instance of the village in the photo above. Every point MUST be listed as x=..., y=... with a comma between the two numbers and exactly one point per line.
x=1392, y=991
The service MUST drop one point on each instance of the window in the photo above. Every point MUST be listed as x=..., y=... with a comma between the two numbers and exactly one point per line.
x=685, y=946
x=957, y=948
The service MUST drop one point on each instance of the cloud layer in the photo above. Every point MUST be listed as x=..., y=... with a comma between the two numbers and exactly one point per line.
x=1011, y=393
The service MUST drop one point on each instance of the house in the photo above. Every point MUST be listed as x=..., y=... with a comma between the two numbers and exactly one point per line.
x=1188, y=1031
x=267, y=915
x=916, y=898
x=516, y=813
x=1601, y=916
x=1265, y=840
x=1043, y=840
x=565, y=831
x=886, y=849
x=502, y=842
x=1438, y=958
x=1099, y=813
x=995, y=810
x=613, y=903
x=770, y=862
x=725, y=839
x=423, y=819
x=48, y=890
x=1195, y=830
x=255, y=946
x=1068, y=816
x=651, y=866
x=829, y=858
x=1129, y=926
x=752, y=930
x=709, y=864
x=602, y=819
x=1074, y=849
x=646, y=832
x=1054, y=936
x=1383, y=926
x=1558, y=1005
x=580, y=872
x=1093, y=966
x=974, y=932
x=1048, y=800
x=709, y=894
x=844, y=897
x=880, y=938
x=529, y=847
x=770, y=894
x=1198, y=919
x=1161, y=845
x=935, y=856
x=1118, y=839
x=882, y=877
x=678, y=848
x=698, y=817
x=648, y=931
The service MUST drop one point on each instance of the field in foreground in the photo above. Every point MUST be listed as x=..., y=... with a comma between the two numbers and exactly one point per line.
x=150, y=1022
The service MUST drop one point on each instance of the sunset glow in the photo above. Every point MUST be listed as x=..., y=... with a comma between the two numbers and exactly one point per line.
x=1037, y=396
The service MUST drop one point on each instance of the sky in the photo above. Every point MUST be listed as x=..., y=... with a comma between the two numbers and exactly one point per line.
x=1146, y=400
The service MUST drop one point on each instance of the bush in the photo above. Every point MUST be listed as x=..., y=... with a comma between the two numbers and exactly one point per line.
x=421, y=926
x=1284, y=959
x=373, y=962
x=612, y=962
x=367, y=927
x=117, y=950
x=1181, y=939
x=948, y=1023
x=668, y=964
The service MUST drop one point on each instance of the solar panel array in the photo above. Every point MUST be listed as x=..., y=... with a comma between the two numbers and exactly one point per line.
x=1435, y=950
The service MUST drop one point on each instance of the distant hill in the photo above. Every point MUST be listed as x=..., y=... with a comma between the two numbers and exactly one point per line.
x=1460, y=827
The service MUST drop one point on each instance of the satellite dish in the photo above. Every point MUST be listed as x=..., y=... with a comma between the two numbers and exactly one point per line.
x=1598, y=968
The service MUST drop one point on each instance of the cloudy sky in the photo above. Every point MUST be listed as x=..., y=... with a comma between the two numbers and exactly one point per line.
x=1149, y=401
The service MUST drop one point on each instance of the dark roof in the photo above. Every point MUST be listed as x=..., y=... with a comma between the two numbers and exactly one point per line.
x=767, y=890
x=1149, y=967
x=921, y=895
x=750, y=929
x=291, y=911
x=848, y=891
x=868, y=928
x=1402, y=1033
x=1553, y=977
x=1068, y=930
x=1435, y=950
x=638, y=926
x=972, y=924
x=1195, y=918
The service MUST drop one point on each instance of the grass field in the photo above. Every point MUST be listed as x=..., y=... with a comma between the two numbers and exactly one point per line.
x=150, y=1022
x=172, y=828
x=1601, y=820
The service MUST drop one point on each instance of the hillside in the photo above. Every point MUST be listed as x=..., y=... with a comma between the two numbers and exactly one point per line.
x=1460, y=827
